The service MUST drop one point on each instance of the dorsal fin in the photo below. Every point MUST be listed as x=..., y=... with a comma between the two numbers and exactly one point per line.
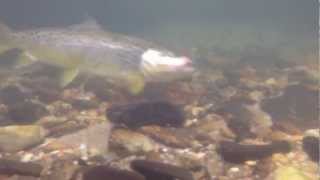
x=89, y=24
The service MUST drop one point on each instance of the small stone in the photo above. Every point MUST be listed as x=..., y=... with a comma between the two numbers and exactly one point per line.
x=195, y=111
x=271, y=81
x=191, y=122
x=27, y=157
x=251, y=163
x=312, y=132
x=234, y=169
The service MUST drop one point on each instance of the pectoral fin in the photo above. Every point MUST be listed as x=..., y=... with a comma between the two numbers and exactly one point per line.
x=67, y=75
x=135, y=83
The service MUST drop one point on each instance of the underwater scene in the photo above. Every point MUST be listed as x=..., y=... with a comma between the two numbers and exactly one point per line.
x=159, y=90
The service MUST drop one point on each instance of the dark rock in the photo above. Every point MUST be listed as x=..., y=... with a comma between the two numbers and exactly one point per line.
x=26, y=112
x=298, y=103
x=106, y=172
x=13, y=94
x=84, y=104
x=62, y=168
x=246, y=118
x=42, y=88
x=239, y=153
x=311, y=147
x=154, y=170
x=233, y=113
x=146, y=113
x=11, y=167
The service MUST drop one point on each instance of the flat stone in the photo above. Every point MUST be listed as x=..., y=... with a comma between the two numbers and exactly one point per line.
x=160, y=171
x=106, y=172
x=16, y=138
x=170, y=136
x=125, y=141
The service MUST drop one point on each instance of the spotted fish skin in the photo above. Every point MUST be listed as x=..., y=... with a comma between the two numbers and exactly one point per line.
x=90, y=49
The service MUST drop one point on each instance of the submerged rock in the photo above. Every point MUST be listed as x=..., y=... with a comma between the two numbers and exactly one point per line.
x=93, y=139
x=11, y=167
x=304, y=75
x=14, y=94
x=260, y=121
x=239, y=153
x=106, y=172
x=146, y=113
x=154, y=170
x=311, y=147
x=289, y=172
x=27, y=112
x=171, y=137
x=61, y=169
x=79, y=99
x=16, y=138
x=215, y=127
x=246, y=118
x=298, y=103
x=311, y=143
x=125, y=141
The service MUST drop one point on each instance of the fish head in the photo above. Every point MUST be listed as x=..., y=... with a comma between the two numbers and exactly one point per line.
x=158, y=65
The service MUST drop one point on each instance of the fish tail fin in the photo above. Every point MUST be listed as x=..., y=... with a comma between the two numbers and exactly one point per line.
x=67, y=75
x=135, y=83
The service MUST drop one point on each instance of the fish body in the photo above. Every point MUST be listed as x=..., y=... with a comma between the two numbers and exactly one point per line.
x=88, y=48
